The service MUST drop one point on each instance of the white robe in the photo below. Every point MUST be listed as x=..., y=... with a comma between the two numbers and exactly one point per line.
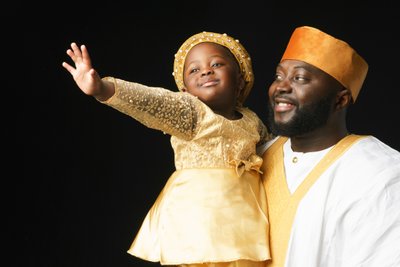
x=351, y=215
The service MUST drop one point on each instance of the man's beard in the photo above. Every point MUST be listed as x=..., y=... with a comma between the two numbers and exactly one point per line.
x=306, y=119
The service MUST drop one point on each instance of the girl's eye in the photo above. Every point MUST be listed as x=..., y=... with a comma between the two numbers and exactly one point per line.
x=194, y=70
x=216, y=64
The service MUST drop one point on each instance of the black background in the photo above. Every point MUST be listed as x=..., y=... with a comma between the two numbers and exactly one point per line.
x=83, y=175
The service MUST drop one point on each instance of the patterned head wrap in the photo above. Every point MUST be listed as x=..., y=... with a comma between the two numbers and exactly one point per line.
x=234, y=46
x=333, y=56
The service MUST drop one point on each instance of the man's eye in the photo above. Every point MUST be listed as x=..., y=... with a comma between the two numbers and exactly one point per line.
x=278, y=77
x=300, y=78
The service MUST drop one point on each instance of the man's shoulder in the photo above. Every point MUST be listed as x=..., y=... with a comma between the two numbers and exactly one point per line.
x=375, y=145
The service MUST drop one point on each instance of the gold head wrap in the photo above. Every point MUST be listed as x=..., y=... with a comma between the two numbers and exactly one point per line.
x=333, y=56
x=234, y=46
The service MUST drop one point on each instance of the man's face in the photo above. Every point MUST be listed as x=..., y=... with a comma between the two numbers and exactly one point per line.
x=301, y=98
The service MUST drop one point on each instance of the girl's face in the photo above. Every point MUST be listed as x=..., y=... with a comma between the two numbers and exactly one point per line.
x=212, y=74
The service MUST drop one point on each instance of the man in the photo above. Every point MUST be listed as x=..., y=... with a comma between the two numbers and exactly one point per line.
x=333, y=197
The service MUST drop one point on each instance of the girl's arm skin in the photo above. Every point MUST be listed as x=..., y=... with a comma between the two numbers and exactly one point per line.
x=85, y=76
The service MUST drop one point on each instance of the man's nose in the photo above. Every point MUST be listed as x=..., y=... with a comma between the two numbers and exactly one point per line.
x=283, y=86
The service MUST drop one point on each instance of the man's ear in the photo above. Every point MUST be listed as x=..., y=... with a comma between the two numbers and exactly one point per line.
x=343, y=99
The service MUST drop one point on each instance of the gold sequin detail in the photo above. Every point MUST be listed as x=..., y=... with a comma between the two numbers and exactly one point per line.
x=200, y=138
x=171, y=112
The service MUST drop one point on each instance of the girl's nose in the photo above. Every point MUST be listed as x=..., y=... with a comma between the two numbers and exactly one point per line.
x=206, y=71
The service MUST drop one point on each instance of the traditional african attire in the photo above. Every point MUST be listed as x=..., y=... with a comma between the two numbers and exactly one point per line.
x=213, y=207
x=338, y=207
x=329, y=54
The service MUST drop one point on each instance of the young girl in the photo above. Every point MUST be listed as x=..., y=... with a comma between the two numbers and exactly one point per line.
x=212, y=210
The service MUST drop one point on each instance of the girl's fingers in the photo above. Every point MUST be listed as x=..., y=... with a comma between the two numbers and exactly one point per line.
x=71, y=54
x=85, y=55
x=76, y=49
x=68, y=67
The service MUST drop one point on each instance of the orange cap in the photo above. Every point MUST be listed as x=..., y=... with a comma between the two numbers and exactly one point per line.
x=333, y=56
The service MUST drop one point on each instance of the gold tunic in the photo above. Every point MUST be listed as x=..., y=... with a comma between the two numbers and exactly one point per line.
x=213, y=207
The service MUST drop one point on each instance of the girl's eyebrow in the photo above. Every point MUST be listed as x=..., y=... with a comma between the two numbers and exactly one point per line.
x=210, y=57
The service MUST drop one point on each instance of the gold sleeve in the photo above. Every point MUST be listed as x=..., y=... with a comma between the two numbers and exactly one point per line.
x=174, y=113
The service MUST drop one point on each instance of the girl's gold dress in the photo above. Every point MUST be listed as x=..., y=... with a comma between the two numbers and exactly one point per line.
x=212, y=209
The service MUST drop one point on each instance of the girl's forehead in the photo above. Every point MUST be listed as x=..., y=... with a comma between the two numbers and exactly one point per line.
x=209, y=50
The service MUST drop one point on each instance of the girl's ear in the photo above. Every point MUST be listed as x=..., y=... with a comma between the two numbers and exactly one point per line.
x=183, y=89
x=242, y=84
